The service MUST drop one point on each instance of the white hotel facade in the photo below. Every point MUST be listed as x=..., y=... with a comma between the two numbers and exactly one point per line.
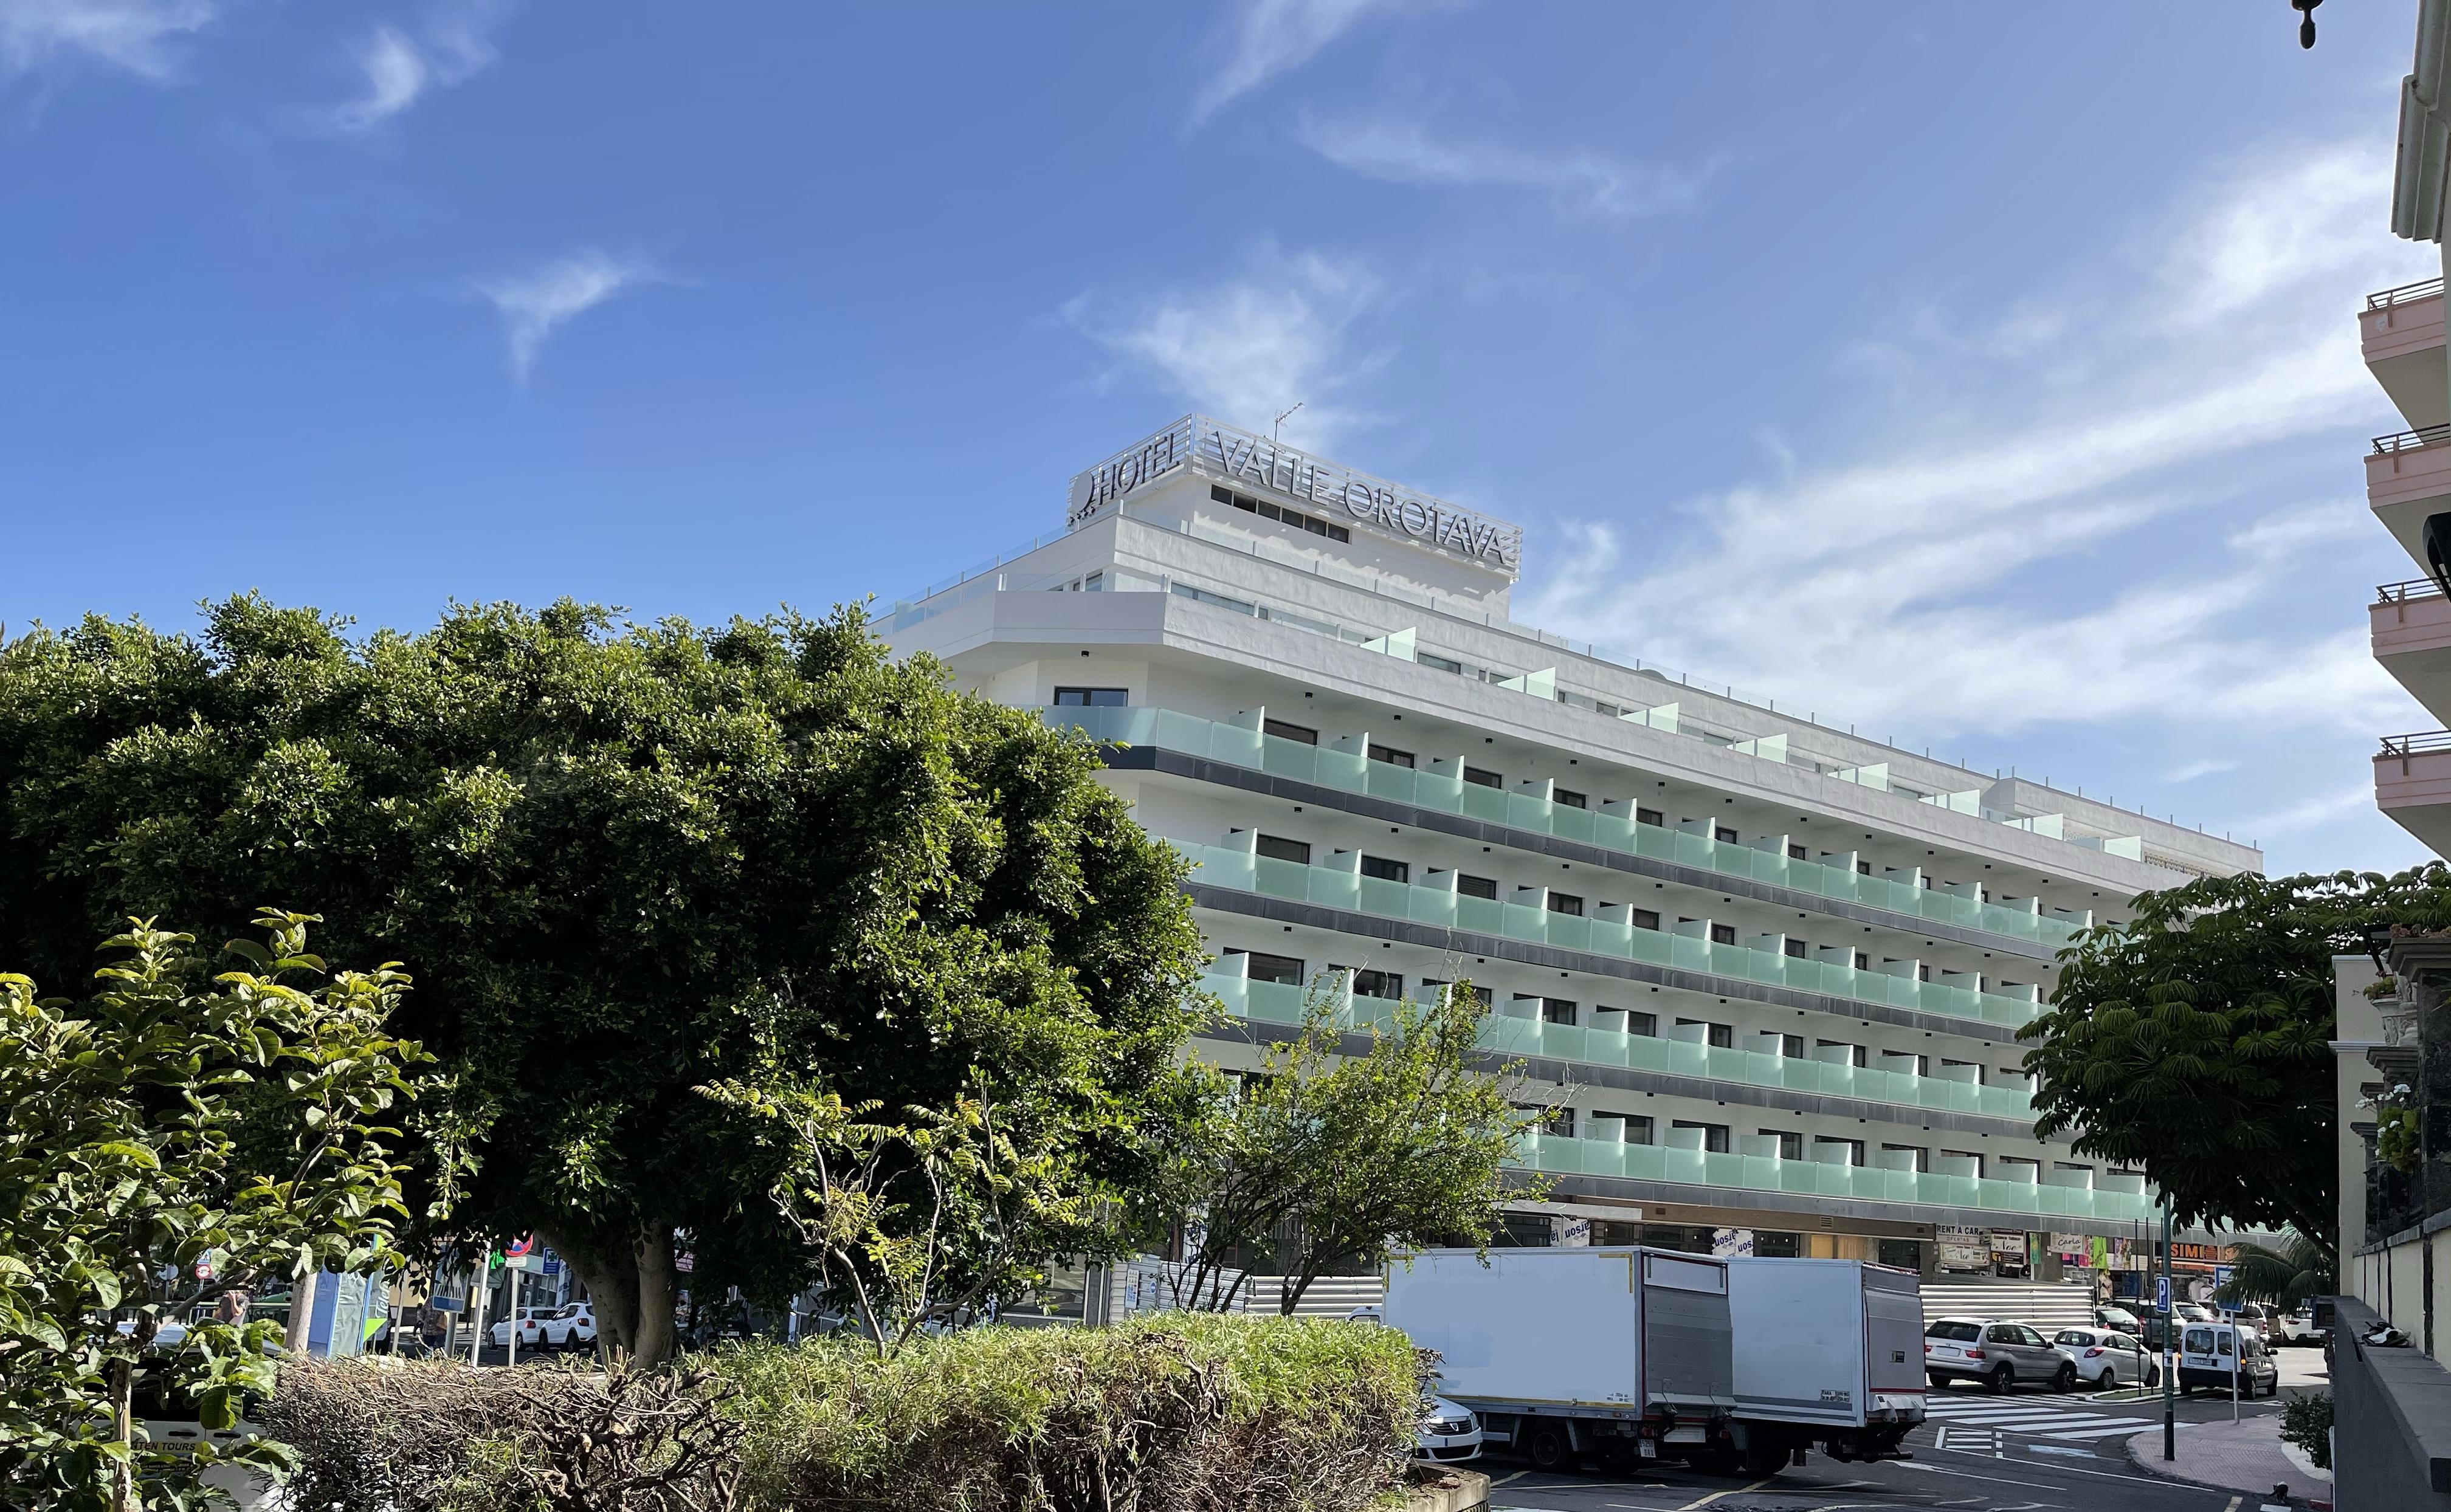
x=1769, y=974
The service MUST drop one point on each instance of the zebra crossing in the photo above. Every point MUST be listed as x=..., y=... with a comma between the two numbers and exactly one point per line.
x=2055, y=1416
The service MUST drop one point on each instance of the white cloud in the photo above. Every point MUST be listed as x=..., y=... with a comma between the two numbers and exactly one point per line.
x=134, y=35
x=1251, y=346
x=537, y=301
x=1268, y=37
x=1403, y=151
x=454, y=45
x=1983, y=563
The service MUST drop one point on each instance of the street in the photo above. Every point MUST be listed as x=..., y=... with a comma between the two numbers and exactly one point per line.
x=2026, y=1452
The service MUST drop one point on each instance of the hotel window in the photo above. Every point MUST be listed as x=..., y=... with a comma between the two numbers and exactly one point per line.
x=1378, y=984
x=1392, y=756
x=1649, y=816
x=1260, y=966
x=1274, y=849
x=1863, y=962
x=1792, y=1046
x=1558, y=1121
x=1485, y=778
x=1795, y=948
x=1723, y=934
x=1284, y=516
x=1476, y=888
x=1557, y=1011
x=1633, y=1128
x=1791, y=1145
x=1923, y=973
x=1569, y=800
x=1922, y=1156
x=1854, y=1148
x=1386, y=870
x=1090, y=697
x=1856, y=1054
x=1646, y=1025
x=1278, y=728
x=1435, y=663
x=1795, y=853
x=1566, y=903
x=1720, y=1036
x=1432, y=987
x=1863, y=868
x=1644, y=917
x=1966, y=1154
x=1715, y=1136
x=1723, y=834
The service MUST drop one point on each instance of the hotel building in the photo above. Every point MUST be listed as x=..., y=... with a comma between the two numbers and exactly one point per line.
x=1768, y=974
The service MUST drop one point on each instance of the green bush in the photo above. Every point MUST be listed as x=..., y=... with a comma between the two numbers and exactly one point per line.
x=1192, y=1410
x=2306, y=1422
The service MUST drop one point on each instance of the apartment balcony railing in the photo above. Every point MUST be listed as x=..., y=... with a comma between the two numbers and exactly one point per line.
x=1241, y=871
x=2406, y=294
x=2408, y=592
x=2399, y=441
x=2406, y=746
x=1353, y=772
x=1504, y=1033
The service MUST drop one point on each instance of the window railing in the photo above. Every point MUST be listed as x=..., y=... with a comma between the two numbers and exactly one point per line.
x=1241, y=871
x=1353, y=772
x=2411, y=440
x=2406, y=294
x=2432, y=739
x=1504, y=1032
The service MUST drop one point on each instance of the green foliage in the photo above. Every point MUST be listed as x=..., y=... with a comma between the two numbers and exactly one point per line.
x=2381, y=987
x=2192, y=1042
x=174, y=1117
x=2306, y=1422
x=2286, y=1274
x=2395, y=1137
x=1177, y=1409
x=1334, y=1153
x=626, y=863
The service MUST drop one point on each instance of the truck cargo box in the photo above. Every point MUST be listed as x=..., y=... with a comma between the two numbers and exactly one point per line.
x=1827, y=1345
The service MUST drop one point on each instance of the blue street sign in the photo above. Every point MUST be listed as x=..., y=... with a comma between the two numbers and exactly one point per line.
x=2220, y=1276
x=2162, y=1293
x=552, y=1264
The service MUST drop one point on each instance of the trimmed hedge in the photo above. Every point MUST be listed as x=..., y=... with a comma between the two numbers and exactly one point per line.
x=1179, y=1412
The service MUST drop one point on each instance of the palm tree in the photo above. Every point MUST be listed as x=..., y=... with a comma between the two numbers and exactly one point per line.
x=2287, y=1272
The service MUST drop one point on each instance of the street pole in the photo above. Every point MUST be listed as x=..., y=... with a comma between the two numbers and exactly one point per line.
x=477, y=1333
x=517, y=1276
x=2169, y=1328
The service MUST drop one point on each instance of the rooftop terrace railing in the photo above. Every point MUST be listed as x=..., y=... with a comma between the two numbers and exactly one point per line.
x=1353, y=772
x=2432, y=739
x=2411, y=440
x=1241, y=871
x=2408, y=592
x=2406, y=294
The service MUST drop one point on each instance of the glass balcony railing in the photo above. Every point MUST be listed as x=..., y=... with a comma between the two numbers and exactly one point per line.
x=1349, y=772
x=1283, y=1003
x=1502, y=1033
x=1244, y=872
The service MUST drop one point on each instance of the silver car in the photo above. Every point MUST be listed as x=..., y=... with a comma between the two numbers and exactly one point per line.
x=1999, y=1353
x=2106, y=1358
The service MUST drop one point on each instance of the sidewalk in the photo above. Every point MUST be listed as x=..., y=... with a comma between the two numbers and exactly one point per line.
x=2245, y=1456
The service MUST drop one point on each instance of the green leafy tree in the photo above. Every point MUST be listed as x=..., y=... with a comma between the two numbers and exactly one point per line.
x=2192, y=1042
x=2287, y=1272
x=1332, y=1155
x=627, y=862
x=165, y=1142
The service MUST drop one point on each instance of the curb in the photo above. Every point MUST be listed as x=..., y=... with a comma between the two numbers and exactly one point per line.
x=2153, y=1468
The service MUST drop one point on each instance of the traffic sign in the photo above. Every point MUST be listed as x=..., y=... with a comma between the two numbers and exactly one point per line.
x=2162, y=1294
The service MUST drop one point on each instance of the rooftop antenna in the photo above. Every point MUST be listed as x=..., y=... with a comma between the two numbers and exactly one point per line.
x=1281, y=419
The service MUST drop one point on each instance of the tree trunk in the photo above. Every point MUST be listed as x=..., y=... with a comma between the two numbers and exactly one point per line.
x=612, y=1285
x=123, y=1429
x=302, y=1310
x=633, y=1290
x=655, y=1343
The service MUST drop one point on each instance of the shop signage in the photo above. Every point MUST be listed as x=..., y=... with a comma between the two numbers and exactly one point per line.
x=1249, y=461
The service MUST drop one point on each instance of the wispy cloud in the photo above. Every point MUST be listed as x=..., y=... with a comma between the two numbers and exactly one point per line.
x=138, y=36
x=1406, y=151
x=1268, y=37
x=453, y=46
x=1249, y=346
x=537, y=300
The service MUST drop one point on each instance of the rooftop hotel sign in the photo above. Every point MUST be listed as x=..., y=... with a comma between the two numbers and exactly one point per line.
x=1235, y=455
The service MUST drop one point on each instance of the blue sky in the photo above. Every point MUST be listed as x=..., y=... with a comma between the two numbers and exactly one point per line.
x=1985, y=376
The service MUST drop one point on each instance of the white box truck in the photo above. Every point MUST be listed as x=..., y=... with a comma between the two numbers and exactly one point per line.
x=1828, y=1352
x=1573, y=1351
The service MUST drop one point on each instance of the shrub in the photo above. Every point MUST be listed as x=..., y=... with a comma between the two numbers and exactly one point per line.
x=436, y=1436
x=1181, y=1410
x=2306, y=1422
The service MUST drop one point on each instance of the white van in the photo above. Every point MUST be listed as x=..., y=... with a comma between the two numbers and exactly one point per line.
x=2208, y=1352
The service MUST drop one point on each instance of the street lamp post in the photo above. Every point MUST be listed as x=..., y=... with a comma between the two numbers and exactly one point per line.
x=2169, y=1328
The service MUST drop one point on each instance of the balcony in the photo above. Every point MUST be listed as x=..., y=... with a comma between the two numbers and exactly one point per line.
x=2413, y=785
x=1616, y=939
x=1352, y=772
x=2408, y=481
x=2402, y=333
x=2412, y=641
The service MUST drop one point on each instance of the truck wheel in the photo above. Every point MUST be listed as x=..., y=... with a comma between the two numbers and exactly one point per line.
x=2002, y=1379
x=1546, y=1447
x=1939, y=1382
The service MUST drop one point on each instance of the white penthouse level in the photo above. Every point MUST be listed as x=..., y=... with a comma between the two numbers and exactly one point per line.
x=1771, y=973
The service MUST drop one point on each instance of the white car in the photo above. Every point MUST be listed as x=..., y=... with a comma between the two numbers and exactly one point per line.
x=530, y=1324
x=2301, y=1327
x=2106, y=1358
x=1449, y=1433
x=2000, y=1354
x=571, y=1327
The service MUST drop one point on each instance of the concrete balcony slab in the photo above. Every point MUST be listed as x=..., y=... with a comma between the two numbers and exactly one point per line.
x=2408, y=479
x=2411, y=625
x=2400, y=331
x=2413, y=785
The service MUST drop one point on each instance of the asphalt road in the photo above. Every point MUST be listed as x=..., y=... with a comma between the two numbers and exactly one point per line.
x=2036, y=1452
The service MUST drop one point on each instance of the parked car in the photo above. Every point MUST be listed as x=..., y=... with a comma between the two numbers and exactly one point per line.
x=1999, y=1353
x=531, y=1325
x=2252, y=1315
x=2301, y=1327
x=2107, y=1357
x=2119, y=1319
x=1449, y=1432
x=570, y=1328
x=2206, y=1359
x=2194, y=1312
